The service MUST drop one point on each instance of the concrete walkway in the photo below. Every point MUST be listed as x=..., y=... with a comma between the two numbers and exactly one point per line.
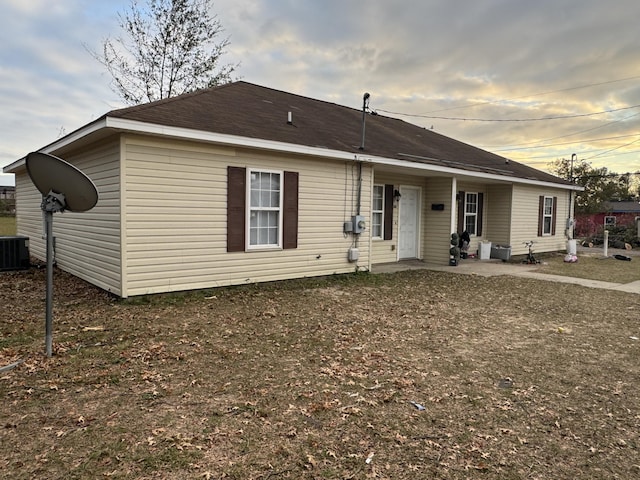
x=493, y=267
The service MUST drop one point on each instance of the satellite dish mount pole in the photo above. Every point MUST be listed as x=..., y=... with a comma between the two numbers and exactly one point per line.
x=52, y=202
x=52, y=176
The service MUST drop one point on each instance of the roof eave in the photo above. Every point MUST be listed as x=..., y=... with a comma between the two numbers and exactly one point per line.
x=247, y=142
x=60, y=143
x=135, y=126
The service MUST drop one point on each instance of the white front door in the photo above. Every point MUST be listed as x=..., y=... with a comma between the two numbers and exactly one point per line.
x=408, y=222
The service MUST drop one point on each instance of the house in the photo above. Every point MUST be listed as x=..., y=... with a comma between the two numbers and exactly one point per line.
x=7, y=199
x=614, y=214
x=242, y=183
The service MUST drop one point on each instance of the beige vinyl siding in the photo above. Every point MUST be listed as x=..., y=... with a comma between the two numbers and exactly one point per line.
x=29, y=218
x=176, y=217
x=525, y=219
x=437, y=225
x=498, y=214
x=86, y=243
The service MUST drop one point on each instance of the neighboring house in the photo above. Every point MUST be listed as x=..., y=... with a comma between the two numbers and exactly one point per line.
x=242, y=183
x=7, y=199
x=614, y=214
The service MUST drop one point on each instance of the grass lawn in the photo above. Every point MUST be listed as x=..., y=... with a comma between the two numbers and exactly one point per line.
x=593, y=266
x=7, y=225
x=512, y=378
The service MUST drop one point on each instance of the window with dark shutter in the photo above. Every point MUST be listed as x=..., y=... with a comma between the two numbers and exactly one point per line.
x=290, y=211
x=553, y=219
x=460, y=198
x=264, y=222
x=540, y=214
x=388, y=212
x=547, y=210
x=236, y=208
x=480, y=208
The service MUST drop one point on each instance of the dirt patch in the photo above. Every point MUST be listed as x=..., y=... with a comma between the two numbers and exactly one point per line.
x=509, y=378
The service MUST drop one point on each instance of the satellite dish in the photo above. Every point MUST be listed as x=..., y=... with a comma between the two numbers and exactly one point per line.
x=52, y=174
x=63, y=187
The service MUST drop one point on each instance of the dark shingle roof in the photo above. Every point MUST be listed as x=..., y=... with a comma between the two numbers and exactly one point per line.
x=248, y=110
x=622, y=207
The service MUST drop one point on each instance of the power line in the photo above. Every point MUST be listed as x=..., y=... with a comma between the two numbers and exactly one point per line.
x=616, y=148
x=462, y=119
x=574, y=133
x=563, y=143
x=535, y=94
x=583, y=153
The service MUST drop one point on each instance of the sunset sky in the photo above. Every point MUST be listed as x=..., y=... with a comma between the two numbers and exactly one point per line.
x=534, y=81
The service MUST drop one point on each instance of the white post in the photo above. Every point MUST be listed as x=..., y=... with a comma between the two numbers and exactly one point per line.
x=606, y=243
x=454, y=206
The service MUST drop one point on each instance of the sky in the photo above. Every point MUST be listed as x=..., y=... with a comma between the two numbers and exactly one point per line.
x=534, y=81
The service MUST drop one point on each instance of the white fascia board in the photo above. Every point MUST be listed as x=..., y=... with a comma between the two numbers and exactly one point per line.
x=13, y=167
x=67, y=140
x=247, y=142
x=467, y=173
x=220, y=138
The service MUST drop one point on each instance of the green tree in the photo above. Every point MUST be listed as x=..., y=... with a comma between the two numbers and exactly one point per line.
x=599, y=184
x=169, y=47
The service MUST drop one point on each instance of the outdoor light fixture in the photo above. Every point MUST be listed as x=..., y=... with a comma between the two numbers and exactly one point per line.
x=397, y=195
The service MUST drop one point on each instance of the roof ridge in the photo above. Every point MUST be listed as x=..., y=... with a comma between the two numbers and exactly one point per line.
x=162, y=101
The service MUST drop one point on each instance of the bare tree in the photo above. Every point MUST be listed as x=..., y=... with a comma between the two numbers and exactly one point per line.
x=169, y=47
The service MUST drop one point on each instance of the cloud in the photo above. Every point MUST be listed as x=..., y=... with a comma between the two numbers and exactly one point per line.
x=494, y=59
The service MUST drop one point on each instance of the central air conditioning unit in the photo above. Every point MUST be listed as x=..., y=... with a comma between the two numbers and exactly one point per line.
x=14, y=253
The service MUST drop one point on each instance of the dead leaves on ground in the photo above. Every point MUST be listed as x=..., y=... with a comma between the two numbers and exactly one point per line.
x=284, y=383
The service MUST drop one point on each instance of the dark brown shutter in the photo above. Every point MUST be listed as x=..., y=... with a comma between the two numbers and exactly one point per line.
x=479, y=217
x=461, y=199
x=236, y=211
x=540, y=215
x=553, y=218
x=388, y=212
x=290, y=211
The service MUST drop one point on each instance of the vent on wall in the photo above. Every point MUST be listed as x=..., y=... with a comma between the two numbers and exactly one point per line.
x=14, y=253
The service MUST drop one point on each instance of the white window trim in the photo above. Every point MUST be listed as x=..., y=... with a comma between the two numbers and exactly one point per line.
x=474, y=215
x=545, y=215
x=378, y=211
x=248, y=210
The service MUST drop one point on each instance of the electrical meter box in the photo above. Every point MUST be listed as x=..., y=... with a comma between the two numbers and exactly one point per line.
x=358, y=223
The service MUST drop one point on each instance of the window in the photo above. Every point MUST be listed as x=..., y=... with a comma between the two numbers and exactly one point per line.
x=470, y=208
x=471, y=213
x=609, y=221
x=382, y=212
x=262, y=209
x=547, y=215
x=377, y=211
x=265, y=198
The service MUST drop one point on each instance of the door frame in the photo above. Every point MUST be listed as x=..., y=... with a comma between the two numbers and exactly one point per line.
x=418, y=219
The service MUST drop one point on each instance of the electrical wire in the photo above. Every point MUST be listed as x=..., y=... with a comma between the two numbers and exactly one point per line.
x=463, y=119
x=561, y=143
x=535, y=94
x=614, y=149
x=572, y=134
